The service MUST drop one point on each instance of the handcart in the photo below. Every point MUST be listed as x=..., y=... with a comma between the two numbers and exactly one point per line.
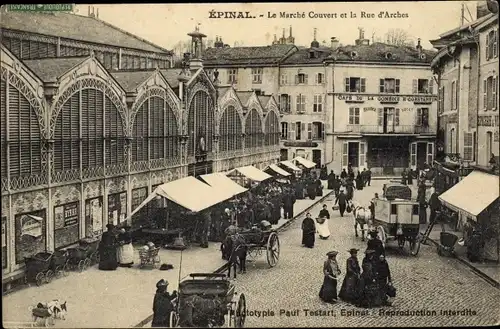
x=83, y=255
x=446, y=245
x=38, y=268
x=149, y=257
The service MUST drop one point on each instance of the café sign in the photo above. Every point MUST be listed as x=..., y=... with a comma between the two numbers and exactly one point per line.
x=387, y=99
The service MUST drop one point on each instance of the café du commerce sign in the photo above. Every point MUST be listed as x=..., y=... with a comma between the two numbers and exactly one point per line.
x=31, y=225
x=387, y=98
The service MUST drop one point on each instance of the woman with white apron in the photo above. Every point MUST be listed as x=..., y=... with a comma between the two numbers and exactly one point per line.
x=322, y=223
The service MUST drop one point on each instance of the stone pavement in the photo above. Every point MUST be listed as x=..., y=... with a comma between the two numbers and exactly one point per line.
x=428, y=284
x=117, y=299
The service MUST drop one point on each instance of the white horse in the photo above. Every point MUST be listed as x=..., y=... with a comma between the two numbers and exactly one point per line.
x=362, y=216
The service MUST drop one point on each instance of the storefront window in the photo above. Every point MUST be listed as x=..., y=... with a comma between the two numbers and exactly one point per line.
x=4, y=242
x=66, y=225
x=117, y=208
x=138, y=196
x=93, y=217
x=30, y=234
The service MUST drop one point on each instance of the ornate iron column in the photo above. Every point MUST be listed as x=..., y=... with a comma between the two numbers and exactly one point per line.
x=183, y=78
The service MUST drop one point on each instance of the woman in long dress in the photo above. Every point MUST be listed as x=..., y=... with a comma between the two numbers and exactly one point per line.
x=125, y=251
x=369, y=291
x=308, y=231
x=322, y=223
x=328, y=291
x=348, y=291
x=107, y=250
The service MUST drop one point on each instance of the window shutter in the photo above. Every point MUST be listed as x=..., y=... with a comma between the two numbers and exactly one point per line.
x=396, y=117
x=322, y=130
x=495, y=44
x=306, y=77
x=485, y=97
x=296, y=79
x=419, y=116
x=415, y=86
x=316, y=78
x=397, y=86
x=431, y=86
x=494, y=93
x=347, y=85
x=345, y=154
x=309, y=131
x=487, y=46
x=292, y=131
x=381, y=86
x=303, y=131
x=380, y=117
x=363, y=85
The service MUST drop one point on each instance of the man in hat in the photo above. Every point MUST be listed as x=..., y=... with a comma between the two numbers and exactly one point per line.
x=342, y=201
x=331, y=180
x=348, y=291
x=162, y=305
x=108, y=250
x=331, y=270
x=375, y=244
x=308, y=231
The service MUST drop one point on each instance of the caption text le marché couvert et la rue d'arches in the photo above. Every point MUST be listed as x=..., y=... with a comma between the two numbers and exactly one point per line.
x=311, y=14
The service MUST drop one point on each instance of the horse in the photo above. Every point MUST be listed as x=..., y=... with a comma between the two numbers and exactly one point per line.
x=237, y=249
x=361, y=217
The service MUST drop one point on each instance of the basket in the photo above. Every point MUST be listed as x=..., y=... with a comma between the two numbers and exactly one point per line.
x=320, y=220
x=447, y=239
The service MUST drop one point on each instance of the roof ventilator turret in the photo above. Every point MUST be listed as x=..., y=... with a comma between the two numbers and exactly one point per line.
x=353, y=54
x=389, y=55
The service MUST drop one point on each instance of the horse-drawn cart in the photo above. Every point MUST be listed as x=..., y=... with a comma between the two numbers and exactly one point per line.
x=208, y=300
x=397, y=218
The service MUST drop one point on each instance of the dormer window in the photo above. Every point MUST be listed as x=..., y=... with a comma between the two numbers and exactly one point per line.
x=312, y=54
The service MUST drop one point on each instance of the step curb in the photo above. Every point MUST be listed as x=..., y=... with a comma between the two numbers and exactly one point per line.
x=278, y=229
x=476, y=271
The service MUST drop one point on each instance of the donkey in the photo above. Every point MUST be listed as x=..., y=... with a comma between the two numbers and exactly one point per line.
x=238, y=253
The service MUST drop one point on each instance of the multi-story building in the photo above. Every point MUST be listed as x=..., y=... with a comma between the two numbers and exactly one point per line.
x=466, y=67
x=384, y=106
x=84, y=143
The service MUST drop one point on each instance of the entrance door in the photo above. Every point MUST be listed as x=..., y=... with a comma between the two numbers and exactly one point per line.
x=353, y=154
x=421, y=155
x=317, y=158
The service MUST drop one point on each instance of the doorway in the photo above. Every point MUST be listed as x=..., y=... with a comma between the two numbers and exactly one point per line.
x=353, y=154
x=316, y=154
x=388, y=120
x=421, y=155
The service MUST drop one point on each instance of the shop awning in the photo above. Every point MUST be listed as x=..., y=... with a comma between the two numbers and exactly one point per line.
x=306, y=163
x=222, y=182
x=252, y=173
x=278, y=170
x=472, y=194
x=187, y=192
x=290, y=165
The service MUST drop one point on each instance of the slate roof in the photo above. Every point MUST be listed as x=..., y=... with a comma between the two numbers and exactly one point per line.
x=76, y=27
x=171, y=76
x=264, y=100
x=130, y=80
x=247, y=55
x=302, y=56
x=223, y=91
x=49, y=69
x=377, y=51
x=244, y=96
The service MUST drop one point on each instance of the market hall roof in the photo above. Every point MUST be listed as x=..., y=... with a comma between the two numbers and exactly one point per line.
x=381, y=52
x=131, y=80
x=76, y=27
x=50, y=69
x=247, y=55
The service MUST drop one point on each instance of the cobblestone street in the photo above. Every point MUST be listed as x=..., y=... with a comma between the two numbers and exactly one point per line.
x=427, y=283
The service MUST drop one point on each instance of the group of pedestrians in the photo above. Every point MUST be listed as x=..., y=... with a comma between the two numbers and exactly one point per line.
x=115, y=248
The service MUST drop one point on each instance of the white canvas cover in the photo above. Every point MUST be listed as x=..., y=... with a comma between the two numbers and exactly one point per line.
x=252, y=173
x=278, y=170
x=290, y=165
x=223, y=183
x=306, y=163
x=473, y=193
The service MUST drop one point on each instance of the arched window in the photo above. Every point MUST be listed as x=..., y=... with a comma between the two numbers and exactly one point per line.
x=253, y=130
x=92, y=128
x=155, y=131
x=200, y=122
x=230, y=130
x=23, y=132
x=272, y=129
x=114, y=136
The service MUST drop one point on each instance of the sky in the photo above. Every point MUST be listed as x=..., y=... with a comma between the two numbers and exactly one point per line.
x=167, y=24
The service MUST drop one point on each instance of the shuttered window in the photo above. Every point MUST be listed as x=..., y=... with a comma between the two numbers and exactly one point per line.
x=157, y=125
x=272, y=129
x=51, y=50
x=24, y=136
x=230, y=130
x=25, y=49
x=140, y=131
x=115, y=138
x=3, y=127
x=92, y=128
x=253, y=130
x=15, y=47
x=66, y=135
x=200, y=122
x=468, y=146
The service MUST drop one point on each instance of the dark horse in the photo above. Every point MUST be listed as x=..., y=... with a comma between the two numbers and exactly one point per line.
x=234, y=250
x=361, y=218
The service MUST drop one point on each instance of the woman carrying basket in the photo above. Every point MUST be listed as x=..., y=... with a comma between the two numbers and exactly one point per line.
x=322, y=223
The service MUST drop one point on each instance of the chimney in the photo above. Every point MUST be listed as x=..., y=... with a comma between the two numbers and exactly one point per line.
x=419, y=46
x=93, y=11
x=97, y=12
x=290, y=31
x=89, y=11
x=361, y=41
x=334, y=43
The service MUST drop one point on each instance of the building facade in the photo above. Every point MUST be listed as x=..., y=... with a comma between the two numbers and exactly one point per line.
x=384, y=107
x=82, y=146
x=467, y=70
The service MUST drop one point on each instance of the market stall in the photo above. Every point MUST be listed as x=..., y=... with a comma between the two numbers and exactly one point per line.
x=304, y=162
x=290, y=167
x=248, y=176
x=276, y=171
x=223, y=183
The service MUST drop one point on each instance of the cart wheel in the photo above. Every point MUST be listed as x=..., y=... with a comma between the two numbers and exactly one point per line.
x=273, y=249
x=66, y=268
x=48, y=276
x=58, y=271
x=414, y=246
x=39, y=279
x=174, y=319
x=240, y=315
x=88, y=262
x=381, y=235
x=81, y=265
x=97, y=258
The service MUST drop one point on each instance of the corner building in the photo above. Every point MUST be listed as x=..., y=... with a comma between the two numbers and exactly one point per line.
x=85, y=139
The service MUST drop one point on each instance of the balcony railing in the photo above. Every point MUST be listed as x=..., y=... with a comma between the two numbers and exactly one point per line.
x=400, y=129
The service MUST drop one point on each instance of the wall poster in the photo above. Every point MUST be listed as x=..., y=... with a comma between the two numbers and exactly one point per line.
x=66, y=225
x=117, y=208
x=30, y=234
x=93, y=217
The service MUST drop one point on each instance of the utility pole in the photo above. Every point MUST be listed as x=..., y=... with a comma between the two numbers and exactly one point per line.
x=462, y=14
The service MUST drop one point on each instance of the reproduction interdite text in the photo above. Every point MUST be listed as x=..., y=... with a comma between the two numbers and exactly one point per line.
x=347, y=313
x=302, y=14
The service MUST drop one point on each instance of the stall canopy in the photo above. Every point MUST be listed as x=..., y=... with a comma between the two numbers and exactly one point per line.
x=189, y=193
x=306, y=163
x=472, y=194
x=278, y=170
x=290, y=165
x=223, y=183
x=252, y=173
